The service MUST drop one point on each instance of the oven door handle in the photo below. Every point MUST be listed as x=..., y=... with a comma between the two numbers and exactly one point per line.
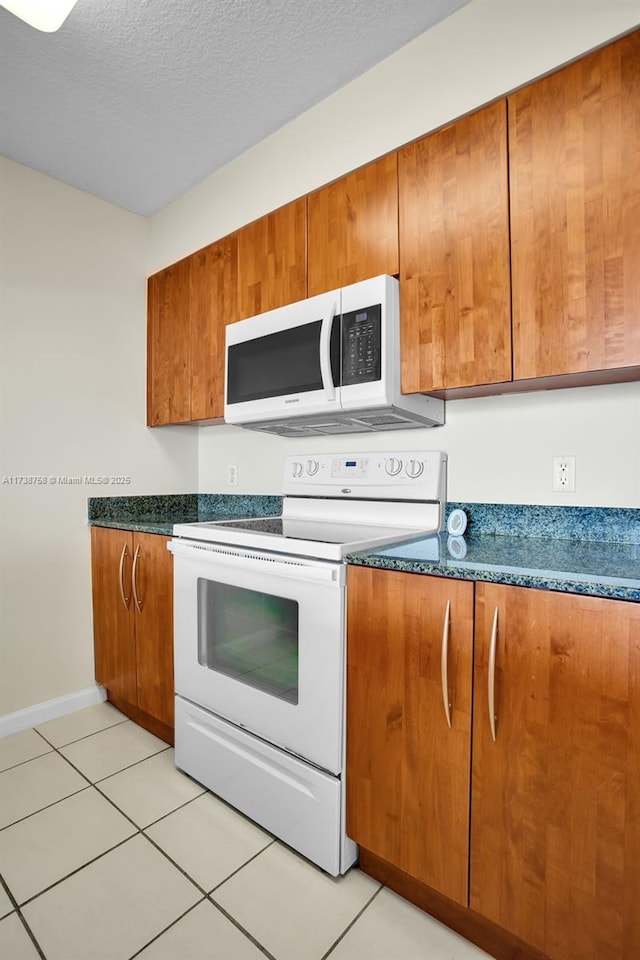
x=233, y=560
x=325, y=353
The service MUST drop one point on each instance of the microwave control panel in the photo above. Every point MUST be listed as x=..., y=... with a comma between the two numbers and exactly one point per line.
x=362, y=345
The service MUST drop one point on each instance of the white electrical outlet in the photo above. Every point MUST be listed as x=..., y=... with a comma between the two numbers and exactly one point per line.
x=564, y=474
x=232, y=474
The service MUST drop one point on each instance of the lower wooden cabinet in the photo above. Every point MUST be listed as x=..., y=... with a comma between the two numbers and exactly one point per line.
x=555, y=801
x=132, y=578
x=407, y=768
x=547, y=813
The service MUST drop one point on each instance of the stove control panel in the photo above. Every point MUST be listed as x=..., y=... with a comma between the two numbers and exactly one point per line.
x=412, y=474
x=346, y=468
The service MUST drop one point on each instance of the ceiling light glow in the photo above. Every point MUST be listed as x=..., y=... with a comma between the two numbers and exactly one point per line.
x=45, y=15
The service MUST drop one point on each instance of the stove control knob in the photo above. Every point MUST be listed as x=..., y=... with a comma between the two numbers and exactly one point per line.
x=393, y=466
x=296, y=469
x=414, y=468
x=312, y=467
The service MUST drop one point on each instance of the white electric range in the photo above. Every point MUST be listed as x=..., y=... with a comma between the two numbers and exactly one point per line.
x=260, y=638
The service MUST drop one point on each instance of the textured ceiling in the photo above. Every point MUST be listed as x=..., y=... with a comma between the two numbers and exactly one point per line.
x=136, y=101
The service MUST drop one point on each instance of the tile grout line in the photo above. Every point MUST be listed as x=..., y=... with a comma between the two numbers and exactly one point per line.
x=31, y=935
x=90, y=784
x=86, y=736
x=20, y=917
x=21, y=763
x=349, y=925
x=241, y=867
x=162, y=932
x=207, y=896
x=73, y=872
x=47, y=806
x=140, y=831
x=134, y=764
x=153, y=823
x=239, y=926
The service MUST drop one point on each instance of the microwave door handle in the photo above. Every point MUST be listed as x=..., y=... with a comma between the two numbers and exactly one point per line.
x=325, y=354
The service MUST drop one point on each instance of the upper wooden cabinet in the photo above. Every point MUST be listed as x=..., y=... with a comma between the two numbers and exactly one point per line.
x=168, y=345
x=353, y=227
x=214, y=304
x=574, y=149
x=272, y=260
x=408, y=770
x=555, y=827
x=454, y=255
x=513, y=231
x=189, y=304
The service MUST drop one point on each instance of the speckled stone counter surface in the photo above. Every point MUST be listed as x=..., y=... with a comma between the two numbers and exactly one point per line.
x=590, y=550
x=594, y=551
x=157, y=514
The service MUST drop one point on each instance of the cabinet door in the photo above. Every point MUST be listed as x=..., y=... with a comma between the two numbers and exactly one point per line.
x=113, y=624
x=213, y=294
x=454, y=255
x=272, y=260
x=353, y=227
x=555, y=833
x=408, y=771
x=168, y=346
x=153, y=605
x=574, y=149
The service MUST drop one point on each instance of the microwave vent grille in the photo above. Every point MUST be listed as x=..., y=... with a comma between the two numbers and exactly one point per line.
x=384, y=420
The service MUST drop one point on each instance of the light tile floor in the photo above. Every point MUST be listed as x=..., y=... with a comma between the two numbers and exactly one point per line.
x=107, y=852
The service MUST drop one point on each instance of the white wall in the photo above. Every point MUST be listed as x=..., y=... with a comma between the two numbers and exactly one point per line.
x=73, y=403
x=500, y=448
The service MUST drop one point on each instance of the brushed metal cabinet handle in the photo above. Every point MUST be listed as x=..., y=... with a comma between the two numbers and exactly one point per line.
x=125, y=600
x=134, y=581
x=491, y=684
x=444, y=657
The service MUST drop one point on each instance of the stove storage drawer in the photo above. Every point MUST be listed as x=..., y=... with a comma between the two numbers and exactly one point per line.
x=300, y=804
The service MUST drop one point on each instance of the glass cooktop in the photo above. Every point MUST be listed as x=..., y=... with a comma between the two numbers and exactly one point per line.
x=328, y=539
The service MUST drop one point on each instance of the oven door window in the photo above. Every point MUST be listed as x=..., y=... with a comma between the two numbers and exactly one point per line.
x=249, y=636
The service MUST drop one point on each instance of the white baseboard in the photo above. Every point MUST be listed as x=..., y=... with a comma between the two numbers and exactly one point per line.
x=50, y=710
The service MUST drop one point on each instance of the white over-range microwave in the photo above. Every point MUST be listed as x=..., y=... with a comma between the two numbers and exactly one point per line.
x=326, y=365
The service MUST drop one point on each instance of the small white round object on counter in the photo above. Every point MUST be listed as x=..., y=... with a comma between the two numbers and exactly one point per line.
x=457, y=547
x=457, y=523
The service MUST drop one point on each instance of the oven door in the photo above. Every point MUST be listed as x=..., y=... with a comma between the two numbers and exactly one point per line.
x=284, y=362
x=259, y=641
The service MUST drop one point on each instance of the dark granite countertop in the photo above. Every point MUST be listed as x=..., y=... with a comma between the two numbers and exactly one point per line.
x=157, y=514
x=599, y=569
x=588, y=550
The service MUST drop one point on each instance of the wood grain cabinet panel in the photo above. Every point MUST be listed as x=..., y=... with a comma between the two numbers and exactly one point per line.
x=168, y=345
x=132, y=579
x=153, y=613
x=353, y=227
x=272, y=260
x=408, y=772
x=213, y=294
x=188, y=307
x=454, y=255
x=574, y=149
x=555, y=831
x=113, y=623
